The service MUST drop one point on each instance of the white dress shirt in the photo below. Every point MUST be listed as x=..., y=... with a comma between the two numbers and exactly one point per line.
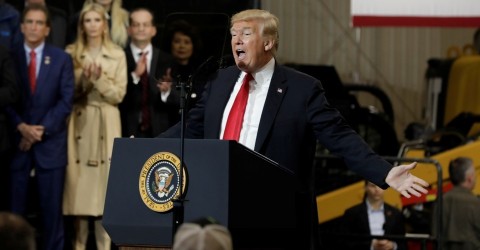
x=256, y=100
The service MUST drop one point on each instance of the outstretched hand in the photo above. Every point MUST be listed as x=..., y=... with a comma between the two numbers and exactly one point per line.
x=400, y=179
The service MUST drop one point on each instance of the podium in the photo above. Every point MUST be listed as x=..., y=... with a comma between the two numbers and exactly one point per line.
x=248, y=193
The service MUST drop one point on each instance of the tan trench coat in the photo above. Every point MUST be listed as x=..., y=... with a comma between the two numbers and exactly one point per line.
x=93, y=124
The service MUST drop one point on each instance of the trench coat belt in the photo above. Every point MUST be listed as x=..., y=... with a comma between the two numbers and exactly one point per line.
x=96, y=146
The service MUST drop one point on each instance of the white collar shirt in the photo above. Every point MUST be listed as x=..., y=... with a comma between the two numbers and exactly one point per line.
x=136, y=53
x=256, y=101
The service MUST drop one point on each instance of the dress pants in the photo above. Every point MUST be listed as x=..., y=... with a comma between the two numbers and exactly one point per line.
x=49, y=187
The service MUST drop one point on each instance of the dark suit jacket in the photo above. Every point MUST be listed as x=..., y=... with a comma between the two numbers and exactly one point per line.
x=49, y=106
x=163, y=115
x=355, y=222
x=8, y=95
x=295, y=115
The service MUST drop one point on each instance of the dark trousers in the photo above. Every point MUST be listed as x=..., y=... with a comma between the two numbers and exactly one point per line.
x=5, y=159
x=49, y=188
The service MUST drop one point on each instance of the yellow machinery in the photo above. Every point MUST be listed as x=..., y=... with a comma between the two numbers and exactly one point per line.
x=333, y=204
x=462, y=96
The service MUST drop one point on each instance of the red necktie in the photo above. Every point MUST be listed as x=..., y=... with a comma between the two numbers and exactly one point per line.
x=32, y=70
x=144, y=105
x=235, y=117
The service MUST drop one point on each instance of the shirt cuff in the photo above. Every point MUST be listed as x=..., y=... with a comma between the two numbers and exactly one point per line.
x=164, y=95
x=135, y=78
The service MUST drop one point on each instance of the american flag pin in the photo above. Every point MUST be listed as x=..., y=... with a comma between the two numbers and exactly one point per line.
x=280, y=90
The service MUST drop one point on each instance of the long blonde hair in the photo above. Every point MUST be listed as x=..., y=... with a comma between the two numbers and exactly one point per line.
x=80, y=43
x=120, y=22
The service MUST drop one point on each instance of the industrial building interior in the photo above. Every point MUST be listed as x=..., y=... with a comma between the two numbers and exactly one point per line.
x=410, y=92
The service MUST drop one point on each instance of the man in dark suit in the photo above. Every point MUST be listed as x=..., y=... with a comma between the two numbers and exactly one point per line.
x=46, y=88
x=282, y=116
x=8, y=95
x=373, y=217
x=150, y=105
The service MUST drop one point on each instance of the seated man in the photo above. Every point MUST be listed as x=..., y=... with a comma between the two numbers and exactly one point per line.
x=373, y=217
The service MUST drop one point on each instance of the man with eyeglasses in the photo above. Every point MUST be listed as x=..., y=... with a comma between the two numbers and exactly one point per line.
x=150, y=105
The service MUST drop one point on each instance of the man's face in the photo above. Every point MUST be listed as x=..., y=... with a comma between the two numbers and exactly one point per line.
x=250, y=49
x=141, y=28
x=34, y=28
x=471, y=177
x=374, y=193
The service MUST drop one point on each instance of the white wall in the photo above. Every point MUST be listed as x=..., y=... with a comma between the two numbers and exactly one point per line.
x=394, y=59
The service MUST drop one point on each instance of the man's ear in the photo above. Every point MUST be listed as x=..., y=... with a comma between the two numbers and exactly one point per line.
x=268, y=45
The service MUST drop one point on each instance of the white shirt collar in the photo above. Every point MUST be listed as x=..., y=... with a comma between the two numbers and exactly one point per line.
x=370, y=208
x=136, y=50
x=37, y=50
x=264, y=75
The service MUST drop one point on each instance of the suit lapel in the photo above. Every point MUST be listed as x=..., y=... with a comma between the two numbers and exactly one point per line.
x=364, y=218
x=45, y=64
x=219, y=101
x=129, y=56
x=388, y=219
x=276, y=92
x=153, y=65
x=22, y=57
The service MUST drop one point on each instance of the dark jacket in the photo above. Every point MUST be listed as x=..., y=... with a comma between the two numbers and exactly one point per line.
x=296, y=114
x=10, y=35
x=8, y=95
x=163, y=114
x=357, y=229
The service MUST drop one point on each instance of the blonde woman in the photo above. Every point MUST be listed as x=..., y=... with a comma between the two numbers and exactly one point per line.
x=117, y=20
x=100, y=85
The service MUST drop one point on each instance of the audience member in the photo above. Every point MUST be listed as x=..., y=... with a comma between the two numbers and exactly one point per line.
x=203, y=234
x=150, y=106
x=461, y=217
x=10, y=35
x=46, y=87
x=373, y=217
x=183, y=42
x=8, y=95
x=58, y=20
x=16, y=233
x=117, y=19
x=100, y=85
x=281, y=114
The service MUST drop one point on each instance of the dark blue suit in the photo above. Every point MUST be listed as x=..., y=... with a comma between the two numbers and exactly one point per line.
x=295, y=115
x=49, y=106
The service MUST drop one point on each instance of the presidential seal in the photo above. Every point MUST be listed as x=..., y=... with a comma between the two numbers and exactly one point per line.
x=159, y=182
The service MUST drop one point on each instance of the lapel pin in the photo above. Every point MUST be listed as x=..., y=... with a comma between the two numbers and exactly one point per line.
x=279, y=90
x=47, y=60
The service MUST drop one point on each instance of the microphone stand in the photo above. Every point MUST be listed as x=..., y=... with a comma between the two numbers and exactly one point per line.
x=178, y=204
x=184, y=88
